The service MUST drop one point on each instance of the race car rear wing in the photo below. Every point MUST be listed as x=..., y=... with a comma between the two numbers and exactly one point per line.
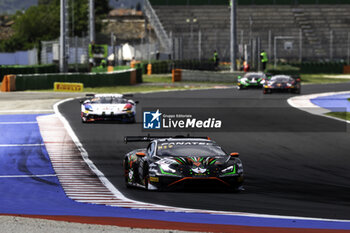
x=91, y=96
x=128, y=95
x=294, y=76
x=149, y=138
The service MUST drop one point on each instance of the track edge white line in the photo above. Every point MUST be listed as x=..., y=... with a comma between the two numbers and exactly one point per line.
x=119, y=195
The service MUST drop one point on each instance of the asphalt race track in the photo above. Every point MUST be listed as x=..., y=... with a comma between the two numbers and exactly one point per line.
x=296, y=163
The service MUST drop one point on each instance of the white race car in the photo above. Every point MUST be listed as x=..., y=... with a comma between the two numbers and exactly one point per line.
x=108, y=107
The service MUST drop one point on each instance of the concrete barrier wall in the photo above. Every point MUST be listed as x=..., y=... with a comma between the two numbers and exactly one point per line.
x=210, y=76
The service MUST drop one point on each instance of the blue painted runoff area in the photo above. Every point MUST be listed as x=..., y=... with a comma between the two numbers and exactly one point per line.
x=334, y=103
x=28, y=186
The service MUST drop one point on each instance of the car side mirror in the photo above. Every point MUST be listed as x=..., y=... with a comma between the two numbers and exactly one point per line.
x=234, y=154
x=239, y=77
x=140, y=154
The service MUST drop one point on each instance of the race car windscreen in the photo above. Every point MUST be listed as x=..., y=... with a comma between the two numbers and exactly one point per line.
x=281, y=79
x=108, y=100
x=253, y=76
x=193, y=148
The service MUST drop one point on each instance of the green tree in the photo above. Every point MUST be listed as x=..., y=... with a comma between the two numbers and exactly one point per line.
x=79, y=12
x=37, y=23
x=42, y=22
x=45, y=2
x=101, y=11
x=102, y=7
x=80, y=9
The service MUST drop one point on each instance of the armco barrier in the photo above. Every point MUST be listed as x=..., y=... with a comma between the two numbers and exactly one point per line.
x=210, y=76
x=46, y=81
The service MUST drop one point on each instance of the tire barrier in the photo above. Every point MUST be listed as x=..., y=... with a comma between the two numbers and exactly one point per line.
x=176, y=75
x=8, y=83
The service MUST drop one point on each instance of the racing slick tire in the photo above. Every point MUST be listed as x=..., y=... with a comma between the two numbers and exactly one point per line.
x=84, y=119
x=237, y=186
x=146, y=175
x=132, y=119
x=297, y=91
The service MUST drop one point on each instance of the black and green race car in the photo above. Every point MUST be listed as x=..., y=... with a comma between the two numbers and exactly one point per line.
x=285, y=83
x=251, y=80
x=181, y=162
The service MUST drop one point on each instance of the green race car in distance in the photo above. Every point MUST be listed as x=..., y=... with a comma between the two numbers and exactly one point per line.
x=251, y=80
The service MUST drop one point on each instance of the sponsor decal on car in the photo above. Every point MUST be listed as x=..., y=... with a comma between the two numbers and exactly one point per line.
x=154, y=179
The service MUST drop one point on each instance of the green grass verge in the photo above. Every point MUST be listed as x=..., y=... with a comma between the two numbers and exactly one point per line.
x=166, y=78
x=157, y=78
x=322, y=78
x=305, y=78
x=341, y=115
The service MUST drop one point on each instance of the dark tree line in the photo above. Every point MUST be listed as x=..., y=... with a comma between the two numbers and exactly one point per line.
x=42, y=22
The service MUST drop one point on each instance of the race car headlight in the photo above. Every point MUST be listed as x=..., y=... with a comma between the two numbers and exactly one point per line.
x=165, y=169
x=229, y=170
x=243, y=80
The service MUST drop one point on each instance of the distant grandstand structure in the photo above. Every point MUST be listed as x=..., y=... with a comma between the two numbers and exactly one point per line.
x=310, y=30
